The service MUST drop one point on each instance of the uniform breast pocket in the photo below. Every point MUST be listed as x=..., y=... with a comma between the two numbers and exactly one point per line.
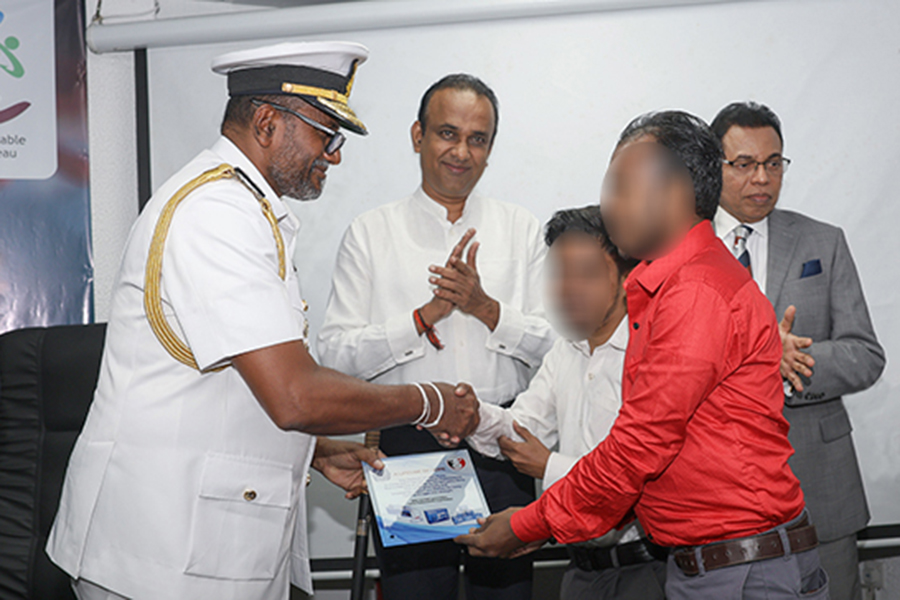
x=501, y=279
x=240, y=525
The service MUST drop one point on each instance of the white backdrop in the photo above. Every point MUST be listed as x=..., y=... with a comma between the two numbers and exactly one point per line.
x=567, y=86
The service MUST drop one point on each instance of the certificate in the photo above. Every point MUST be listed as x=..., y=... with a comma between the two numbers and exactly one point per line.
x=425, y=497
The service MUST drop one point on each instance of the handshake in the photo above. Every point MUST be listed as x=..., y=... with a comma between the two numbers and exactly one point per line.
x=449, y=412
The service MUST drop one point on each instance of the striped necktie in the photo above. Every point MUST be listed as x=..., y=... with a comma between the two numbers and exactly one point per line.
x=739, y=248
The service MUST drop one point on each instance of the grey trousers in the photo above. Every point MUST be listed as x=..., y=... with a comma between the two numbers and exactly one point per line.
x=635, y=582
x=785, y=578
x=841, y=561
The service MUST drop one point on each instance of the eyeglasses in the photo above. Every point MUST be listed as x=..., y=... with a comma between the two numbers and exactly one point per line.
x=336, y=139
x=774, y=166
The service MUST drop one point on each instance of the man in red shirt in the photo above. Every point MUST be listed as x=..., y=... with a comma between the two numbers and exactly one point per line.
x=699, y=451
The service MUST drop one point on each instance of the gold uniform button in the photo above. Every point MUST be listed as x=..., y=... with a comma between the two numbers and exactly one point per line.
x=249, y=495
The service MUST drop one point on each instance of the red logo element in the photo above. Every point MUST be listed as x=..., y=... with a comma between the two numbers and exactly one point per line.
x=456, y=463
x=10, y=113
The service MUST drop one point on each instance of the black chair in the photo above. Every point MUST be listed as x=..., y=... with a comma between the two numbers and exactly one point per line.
x=47, y=381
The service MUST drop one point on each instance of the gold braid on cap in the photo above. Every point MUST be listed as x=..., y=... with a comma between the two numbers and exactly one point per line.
x=308, y=90
x=318, y=92
x=153, y=273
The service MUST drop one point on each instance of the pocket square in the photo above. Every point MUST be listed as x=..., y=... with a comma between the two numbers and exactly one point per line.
x=810, y=268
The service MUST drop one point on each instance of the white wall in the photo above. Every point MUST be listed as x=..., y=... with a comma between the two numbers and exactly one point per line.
x=111, y=128
x=567, y=86
x=113, y=170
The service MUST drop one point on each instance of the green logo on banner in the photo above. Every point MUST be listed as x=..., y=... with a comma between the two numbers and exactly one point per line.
x=7, y=47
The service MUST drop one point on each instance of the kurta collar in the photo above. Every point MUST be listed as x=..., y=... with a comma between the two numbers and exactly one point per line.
x=652, y=275
x=432, y=208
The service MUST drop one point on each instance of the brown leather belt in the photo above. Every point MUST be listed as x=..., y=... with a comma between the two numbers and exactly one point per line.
x=801, y=537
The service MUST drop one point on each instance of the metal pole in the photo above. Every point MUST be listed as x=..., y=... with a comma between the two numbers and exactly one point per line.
x=363, y=521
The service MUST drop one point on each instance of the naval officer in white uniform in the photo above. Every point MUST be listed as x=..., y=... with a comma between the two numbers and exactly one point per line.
x=188, y=479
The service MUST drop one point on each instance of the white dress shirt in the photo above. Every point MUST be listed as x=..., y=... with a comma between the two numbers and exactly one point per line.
x=381, y=277
x=757, y=242
x=180, y=485
x=571, y=404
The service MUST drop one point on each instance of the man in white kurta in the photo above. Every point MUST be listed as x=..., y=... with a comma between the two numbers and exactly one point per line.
x=188, y=479
x=381, y=275
x=400, y=311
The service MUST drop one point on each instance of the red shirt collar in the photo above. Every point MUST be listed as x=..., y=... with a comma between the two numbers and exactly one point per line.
x=651, y=275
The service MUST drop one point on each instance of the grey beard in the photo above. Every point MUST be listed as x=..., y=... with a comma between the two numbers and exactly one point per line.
x=294, y=184
x=290, y=182
x=303, y=190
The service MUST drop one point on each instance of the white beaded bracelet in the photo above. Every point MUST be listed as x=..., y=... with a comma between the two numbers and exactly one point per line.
x=426, y=406
x=440, y=411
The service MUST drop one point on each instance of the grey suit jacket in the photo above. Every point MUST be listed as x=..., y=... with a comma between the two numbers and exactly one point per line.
x=810, y=266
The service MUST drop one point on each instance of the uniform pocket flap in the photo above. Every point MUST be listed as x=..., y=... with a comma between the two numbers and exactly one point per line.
x=835, y=426
x=239, y=479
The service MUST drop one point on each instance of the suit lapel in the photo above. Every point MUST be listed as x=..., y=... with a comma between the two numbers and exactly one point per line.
x=782, y=244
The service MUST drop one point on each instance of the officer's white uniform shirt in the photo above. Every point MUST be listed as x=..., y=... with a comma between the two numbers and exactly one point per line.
x=571, y=403
x=180, y=485
x=381, y=276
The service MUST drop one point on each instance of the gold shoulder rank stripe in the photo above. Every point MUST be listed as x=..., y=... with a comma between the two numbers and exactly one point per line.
x=153, y=273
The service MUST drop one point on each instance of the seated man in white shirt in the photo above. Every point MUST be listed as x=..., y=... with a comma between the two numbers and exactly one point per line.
x=574, y=399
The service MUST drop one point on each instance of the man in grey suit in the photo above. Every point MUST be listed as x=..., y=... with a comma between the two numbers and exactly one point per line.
x=830, y=349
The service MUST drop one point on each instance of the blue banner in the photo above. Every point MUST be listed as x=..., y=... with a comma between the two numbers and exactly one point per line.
x=46, y=269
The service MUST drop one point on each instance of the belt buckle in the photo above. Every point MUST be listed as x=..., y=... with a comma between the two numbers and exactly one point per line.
x=686, y=560
x=614, y=556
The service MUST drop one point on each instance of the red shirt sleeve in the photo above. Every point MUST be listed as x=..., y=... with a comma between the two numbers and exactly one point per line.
x=674, y=360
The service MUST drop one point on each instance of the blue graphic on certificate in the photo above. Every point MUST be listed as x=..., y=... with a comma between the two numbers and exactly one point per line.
x=425, y=497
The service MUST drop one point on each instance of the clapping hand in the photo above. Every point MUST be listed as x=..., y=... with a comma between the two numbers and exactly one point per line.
x=459, y=283
x=439, y=307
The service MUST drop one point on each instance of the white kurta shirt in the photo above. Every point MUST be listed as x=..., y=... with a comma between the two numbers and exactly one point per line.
x=381, y=277
x=571, y=404
x=757, y=243
x=180, y=485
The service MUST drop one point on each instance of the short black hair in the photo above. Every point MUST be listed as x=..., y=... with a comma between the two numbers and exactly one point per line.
x=746, y=114
x=692, y=143
x=589, y=221
x=240, y=110
x=462, y=82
